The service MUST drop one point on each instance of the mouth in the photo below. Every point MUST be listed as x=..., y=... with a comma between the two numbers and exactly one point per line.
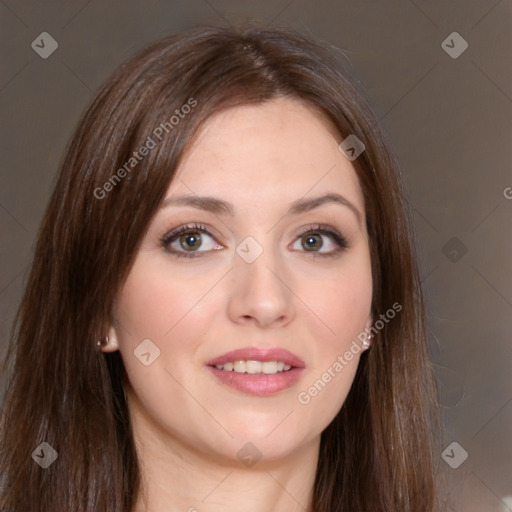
x=260, y=372
x=255, y=367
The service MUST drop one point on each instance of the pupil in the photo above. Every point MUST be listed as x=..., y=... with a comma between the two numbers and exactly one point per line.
x=312, y=242
x=193, y=241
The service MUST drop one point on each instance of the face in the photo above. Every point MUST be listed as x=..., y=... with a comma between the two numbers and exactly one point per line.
x=261, y=268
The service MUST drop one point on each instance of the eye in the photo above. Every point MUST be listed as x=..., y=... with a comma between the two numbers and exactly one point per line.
x=187, y=240
x=312, y=241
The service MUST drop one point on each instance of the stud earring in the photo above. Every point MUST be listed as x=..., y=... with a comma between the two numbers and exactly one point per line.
x=102, y=343
x=366, y=343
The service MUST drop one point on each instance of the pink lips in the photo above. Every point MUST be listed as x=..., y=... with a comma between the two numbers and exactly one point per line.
x=258, y=384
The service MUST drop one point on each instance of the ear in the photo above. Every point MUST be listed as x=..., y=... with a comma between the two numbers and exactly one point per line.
x=369, y=321
x=112, y=341
x=368, y=341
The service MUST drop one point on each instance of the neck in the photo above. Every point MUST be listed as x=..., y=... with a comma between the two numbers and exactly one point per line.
x=178, y=476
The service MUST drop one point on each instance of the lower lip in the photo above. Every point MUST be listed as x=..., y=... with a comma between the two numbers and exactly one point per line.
x=258, y=384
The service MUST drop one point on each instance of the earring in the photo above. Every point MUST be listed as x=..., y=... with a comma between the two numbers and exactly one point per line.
x=102, y=343
x=366, y=343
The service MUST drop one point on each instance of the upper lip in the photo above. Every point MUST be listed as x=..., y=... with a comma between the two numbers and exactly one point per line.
x=259, y=354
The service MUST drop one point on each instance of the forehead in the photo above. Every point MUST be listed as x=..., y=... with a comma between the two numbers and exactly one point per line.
x=273, y=152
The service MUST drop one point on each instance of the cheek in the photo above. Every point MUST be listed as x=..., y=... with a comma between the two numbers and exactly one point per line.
x=340, y=300
x=175, y=313
x=156, y=304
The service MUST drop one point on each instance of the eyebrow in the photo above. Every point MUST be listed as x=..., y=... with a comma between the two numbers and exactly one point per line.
x=219, y=207
x=209, y=204
x=306, y=205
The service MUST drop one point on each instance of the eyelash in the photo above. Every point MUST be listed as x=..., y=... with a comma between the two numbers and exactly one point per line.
x=168, y=238
x=323, y=229
x=320, y=229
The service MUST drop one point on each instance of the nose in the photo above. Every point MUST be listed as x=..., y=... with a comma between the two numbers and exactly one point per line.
x=261, y=292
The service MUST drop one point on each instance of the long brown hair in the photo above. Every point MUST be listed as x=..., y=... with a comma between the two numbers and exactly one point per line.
x=378, y=454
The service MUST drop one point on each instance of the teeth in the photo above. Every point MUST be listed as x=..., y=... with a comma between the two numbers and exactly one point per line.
x=254, y=367
x=239, y=366
x=269, y=367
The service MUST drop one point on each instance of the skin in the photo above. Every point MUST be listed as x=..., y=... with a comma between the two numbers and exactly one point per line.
x=189, y=426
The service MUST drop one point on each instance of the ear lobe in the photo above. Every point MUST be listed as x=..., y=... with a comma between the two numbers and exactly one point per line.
x=111, y=342
x=367, y=341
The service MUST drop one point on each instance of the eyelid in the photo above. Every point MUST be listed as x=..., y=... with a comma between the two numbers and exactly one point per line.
x=185, y=228
x=325, y=229
x=169, y=237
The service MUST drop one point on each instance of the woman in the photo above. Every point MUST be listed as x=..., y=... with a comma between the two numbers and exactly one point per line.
x=224, y=310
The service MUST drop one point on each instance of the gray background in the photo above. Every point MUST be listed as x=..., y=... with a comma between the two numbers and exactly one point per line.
x=450, y=122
